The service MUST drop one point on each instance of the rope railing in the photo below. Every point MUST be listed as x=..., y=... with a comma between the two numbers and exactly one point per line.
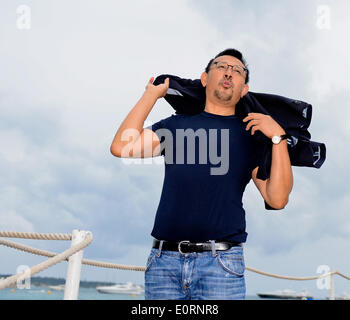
x=36, y=236
x=278, y=276
x=55, y=258
x=46, y=253
x=46, y=264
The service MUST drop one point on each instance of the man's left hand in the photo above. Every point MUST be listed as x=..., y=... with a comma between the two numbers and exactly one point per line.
x=263, y=122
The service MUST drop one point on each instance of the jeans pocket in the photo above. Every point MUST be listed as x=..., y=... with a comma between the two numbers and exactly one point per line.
x=150, y=260
x=232, y=263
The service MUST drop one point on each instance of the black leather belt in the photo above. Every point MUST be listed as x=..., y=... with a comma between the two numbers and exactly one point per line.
x=186, y=246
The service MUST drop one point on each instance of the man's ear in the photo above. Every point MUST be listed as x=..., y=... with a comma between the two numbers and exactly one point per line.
x=204, y=79
x=245, y=90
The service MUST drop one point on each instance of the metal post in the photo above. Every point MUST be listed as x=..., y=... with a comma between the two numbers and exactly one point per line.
x=71, y=289
x=331, y=287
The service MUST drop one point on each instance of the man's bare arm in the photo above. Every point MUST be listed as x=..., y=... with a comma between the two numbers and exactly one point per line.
x=276, y=189
x=131, y=140
x=280, y=183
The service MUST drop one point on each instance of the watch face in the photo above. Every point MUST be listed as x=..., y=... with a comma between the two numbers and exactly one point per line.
x=276, y=139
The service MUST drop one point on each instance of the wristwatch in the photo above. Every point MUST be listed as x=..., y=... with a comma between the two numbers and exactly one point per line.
x=277, y=139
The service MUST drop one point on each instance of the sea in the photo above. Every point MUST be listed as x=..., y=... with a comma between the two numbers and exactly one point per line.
x=45, y=293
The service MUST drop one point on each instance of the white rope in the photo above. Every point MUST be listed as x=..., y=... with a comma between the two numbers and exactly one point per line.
x=45, y=253
x=273, y=275
x=37, y=236
x=342, y=275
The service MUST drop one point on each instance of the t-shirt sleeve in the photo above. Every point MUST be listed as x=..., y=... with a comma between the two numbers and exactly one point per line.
x=155, y=127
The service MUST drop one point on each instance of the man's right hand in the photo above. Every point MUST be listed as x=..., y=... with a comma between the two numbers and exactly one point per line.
x=160, y=90
x=145, y=143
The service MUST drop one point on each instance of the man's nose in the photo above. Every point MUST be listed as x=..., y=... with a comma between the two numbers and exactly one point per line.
x=228, y=74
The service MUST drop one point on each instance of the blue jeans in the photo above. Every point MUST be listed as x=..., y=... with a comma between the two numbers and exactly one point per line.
x=208, y=275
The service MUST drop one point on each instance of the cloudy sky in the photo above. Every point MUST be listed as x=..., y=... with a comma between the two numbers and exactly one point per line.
x=71, y=73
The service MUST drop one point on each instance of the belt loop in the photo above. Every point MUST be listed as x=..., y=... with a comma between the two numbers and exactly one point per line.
x=213, y=251
x=160, y=248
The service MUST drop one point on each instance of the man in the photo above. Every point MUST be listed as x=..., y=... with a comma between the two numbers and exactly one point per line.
x=199, y=226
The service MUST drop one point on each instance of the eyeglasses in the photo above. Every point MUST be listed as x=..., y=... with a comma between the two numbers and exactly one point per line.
x=223, y=66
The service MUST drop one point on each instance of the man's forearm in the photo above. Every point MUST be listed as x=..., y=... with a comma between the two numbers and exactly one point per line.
x=135, y=119
x=280, y=183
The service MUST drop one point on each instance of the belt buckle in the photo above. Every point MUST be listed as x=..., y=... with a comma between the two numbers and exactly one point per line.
x=179, y=245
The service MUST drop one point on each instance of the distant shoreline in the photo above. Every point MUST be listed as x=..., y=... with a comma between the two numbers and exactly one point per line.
x=51, y=281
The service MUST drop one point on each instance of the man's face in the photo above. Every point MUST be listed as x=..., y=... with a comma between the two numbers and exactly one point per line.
x=225, y=86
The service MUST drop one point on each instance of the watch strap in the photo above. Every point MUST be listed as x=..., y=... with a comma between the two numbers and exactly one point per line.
x=284, y=136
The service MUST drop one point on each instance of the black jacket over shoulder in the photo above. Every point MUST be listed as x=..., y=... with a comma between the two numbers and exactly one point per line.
x=187, y=96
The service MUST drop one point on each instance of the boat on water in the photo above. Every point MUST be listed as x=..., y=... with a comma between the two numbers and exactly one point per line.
x=343, y=296
x=59, y=287
x=122, y=288
x=286, y=294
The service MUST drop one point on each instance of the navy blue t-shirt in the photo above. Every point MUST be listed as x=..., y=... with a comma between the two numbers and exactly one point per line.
x=209, y=160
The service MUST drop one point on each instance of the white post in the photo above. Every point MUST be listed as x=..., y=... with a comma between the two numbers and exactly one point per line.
x=71, y=289
x=331, y=287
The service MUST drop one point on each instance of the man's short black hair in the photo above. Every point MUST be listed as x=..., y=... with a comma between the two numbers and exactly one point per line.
x=230, y=52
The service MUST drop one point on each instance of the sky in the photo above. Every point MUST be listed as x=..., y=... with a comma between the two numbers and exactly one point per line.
x=70, y=71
